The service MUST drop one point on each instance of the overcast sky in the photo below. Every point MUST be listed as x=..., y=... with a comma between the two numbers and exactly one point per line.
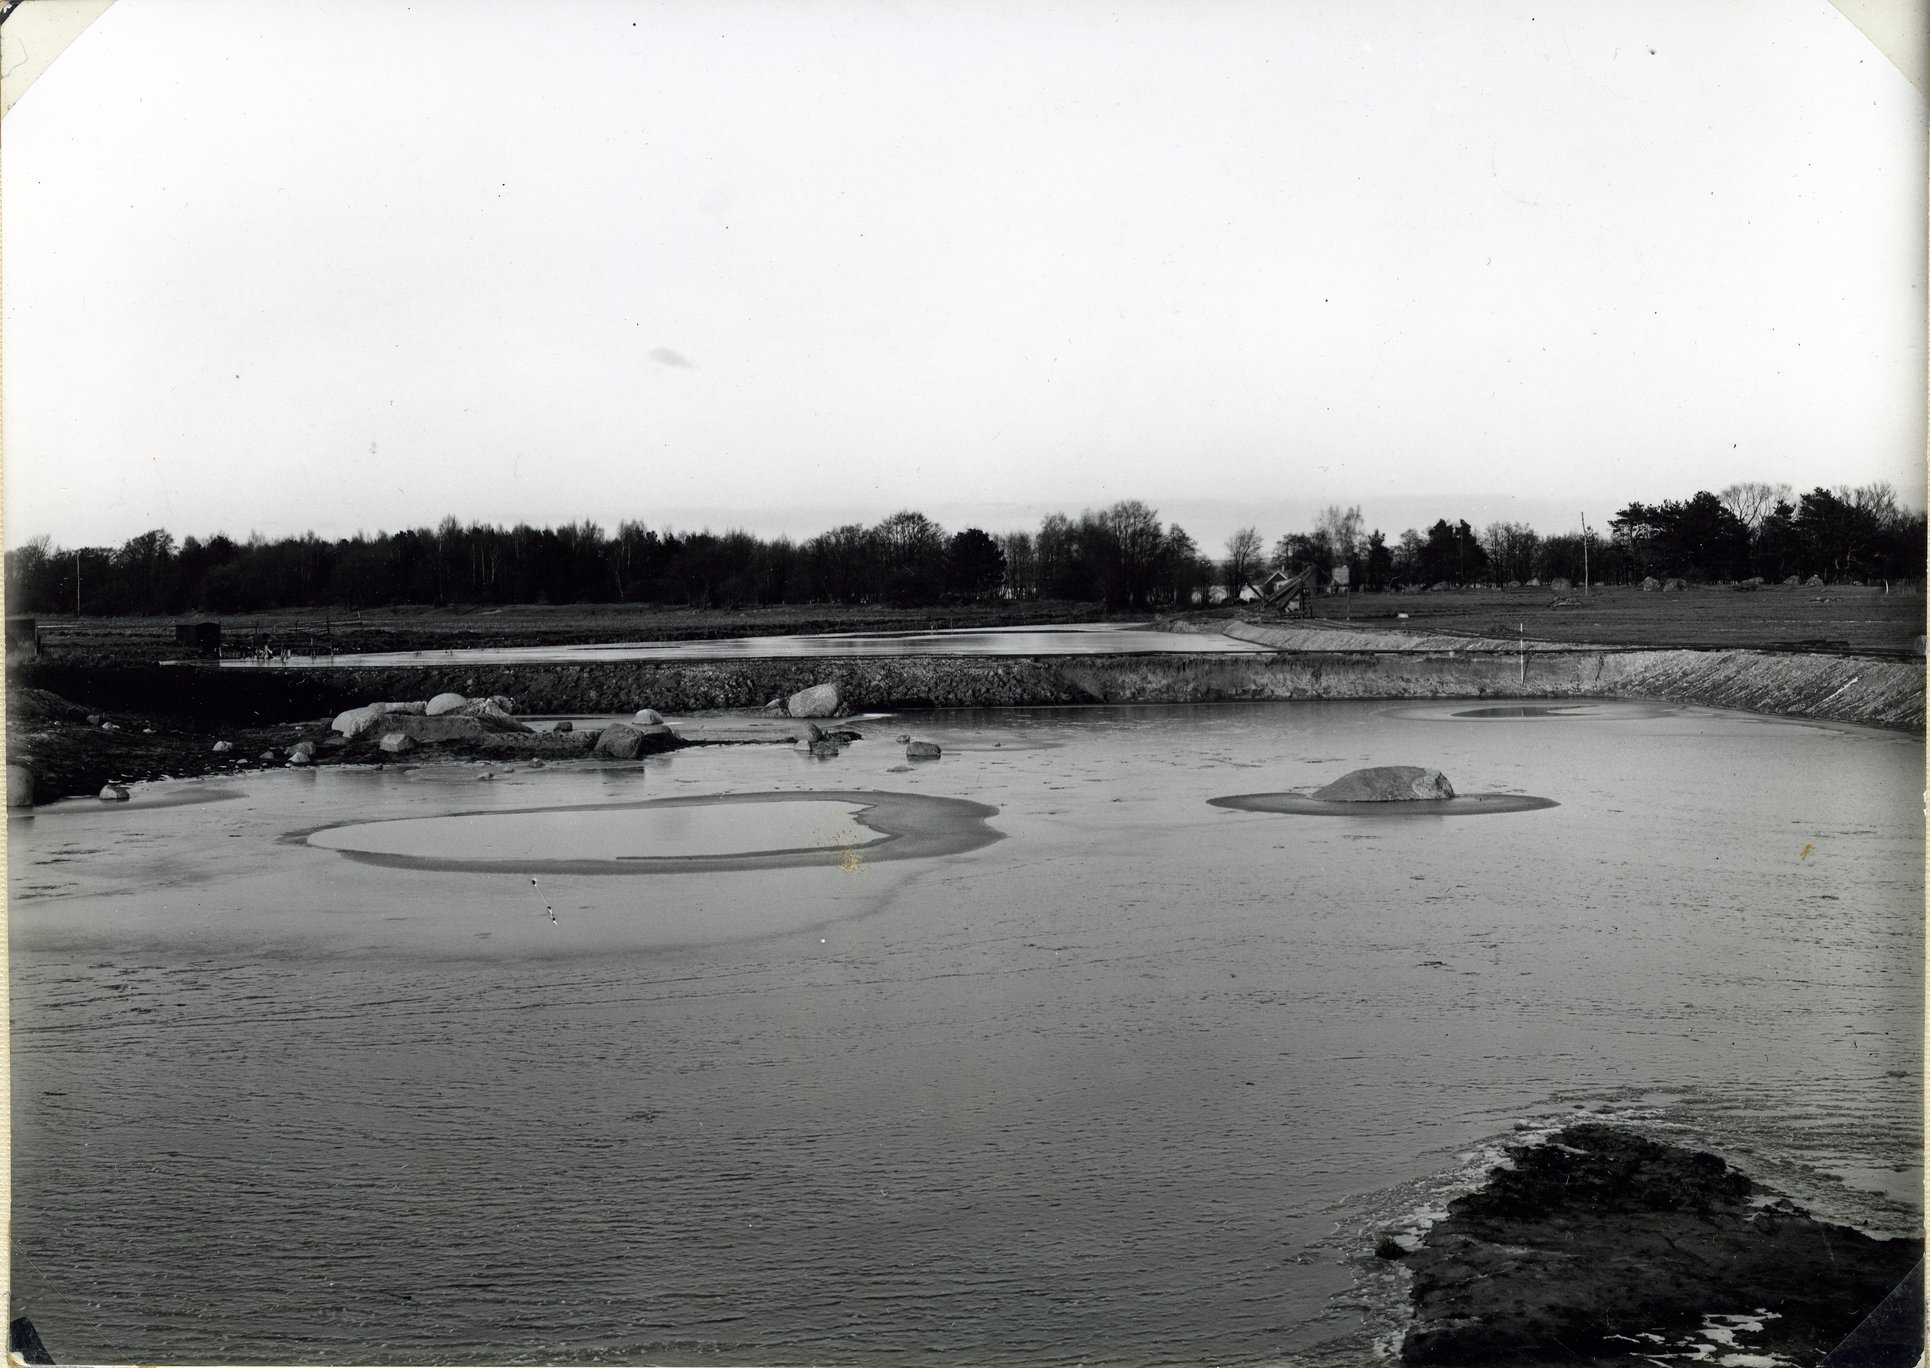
x=341, y=266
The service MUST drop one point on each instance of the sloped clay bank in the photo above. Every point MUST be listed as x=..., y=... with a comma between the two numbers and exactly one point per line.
x=732, y=831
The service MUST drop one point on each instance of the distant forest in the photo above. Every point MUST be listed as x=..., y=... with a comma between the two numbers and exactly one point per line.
x=1123, y=557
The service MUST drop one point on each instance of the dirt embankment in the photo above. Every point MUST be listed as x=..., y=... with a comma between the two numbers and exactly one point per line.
x=1856, y=689
x=187, y=707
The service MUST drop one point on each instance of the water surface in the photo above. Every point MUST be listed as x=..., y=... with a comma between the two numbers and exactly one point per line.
x=1142, y=1082
x=1089, y=638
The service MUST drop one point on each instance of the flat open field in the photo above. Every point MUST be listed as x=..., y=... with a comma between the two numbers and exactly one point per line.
x=1850, y=619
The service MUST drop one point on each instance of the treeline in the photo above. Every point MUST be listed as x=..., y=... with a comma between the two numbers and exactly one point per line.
x=1123, y=557
x=1751, y=530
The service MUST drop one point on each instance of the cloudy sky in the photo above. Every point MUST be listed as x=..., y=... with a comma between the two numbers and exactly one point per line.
x=341, y=265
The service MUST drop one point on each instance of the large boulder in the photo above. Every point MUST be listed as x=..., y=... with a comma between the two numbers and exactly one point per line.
x=448, y=727
x=496, y=718
x=1651, y=584
x=113, y=793
x=1559, y=584
x=648, y=717
x=358, y=720
x=20, y=786
x=1813, y=582
x=1388, y=784
x=302, y=753
x=618, y=741
x=445, y=703
x=820, y=700
x=922, y=750
x=1674, y=586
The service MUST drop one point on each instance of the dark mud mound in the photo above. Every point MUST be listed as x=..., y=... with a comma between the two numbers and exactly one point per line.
x=1311, y=805
x=1601, y=1246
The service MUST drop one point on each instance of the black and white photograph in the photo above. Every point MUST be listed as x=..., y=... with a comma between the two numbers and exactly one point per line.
x=965, y=683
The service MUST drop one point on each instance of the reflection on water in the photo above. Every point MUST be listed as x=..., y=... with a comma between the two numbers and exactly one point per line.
x=658, y=831
x=1139, y=1083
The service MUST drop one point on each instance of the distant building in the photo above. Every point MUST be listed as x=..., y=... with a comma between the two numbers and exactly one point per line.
x=202, y=638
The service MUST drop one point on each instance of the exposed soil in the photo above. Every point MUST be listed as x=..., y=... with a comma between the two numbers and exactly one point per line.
x=1601, y=1246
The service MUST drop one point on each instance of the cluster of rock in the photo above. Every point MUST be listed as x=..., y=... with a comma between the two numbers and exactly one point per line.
x=490, y=725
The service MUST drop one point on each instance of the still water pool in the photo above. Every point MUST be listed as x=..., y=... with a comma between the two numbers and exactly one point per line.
x=1132, y=1079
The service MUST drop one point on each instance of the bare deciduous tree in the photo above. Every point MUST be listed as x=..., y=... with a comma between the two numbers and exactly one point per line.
x=1244, y=550
x=1753, y=500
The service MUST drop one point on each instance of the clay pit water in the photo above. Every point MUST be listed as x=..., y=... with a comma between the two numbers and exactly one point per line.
x=1112, y=1075
x=1082, y=638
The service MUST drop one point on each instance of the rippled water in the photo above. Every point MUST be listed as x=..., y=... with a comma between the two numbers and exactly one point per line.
x=1140, y=1083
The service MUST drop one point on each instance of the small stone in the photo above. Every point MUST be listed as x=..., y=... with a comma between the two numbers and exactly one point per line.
x=270, y=755
x=109, y=726
x=302, y=754
x=223, y=747
x=396, y=743
x=113, y=793
x=564, y=726
x=922, y=750
x=95, y=719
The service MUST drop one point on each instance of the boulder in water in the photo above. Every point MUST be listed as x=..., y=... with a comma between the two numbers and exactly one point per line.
x=618, y=741
x=1388, y=784
x=820, y=700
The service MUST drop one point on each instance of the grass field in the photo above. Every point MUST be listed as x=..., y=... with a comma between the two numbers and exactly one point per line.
x=1850, y=619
